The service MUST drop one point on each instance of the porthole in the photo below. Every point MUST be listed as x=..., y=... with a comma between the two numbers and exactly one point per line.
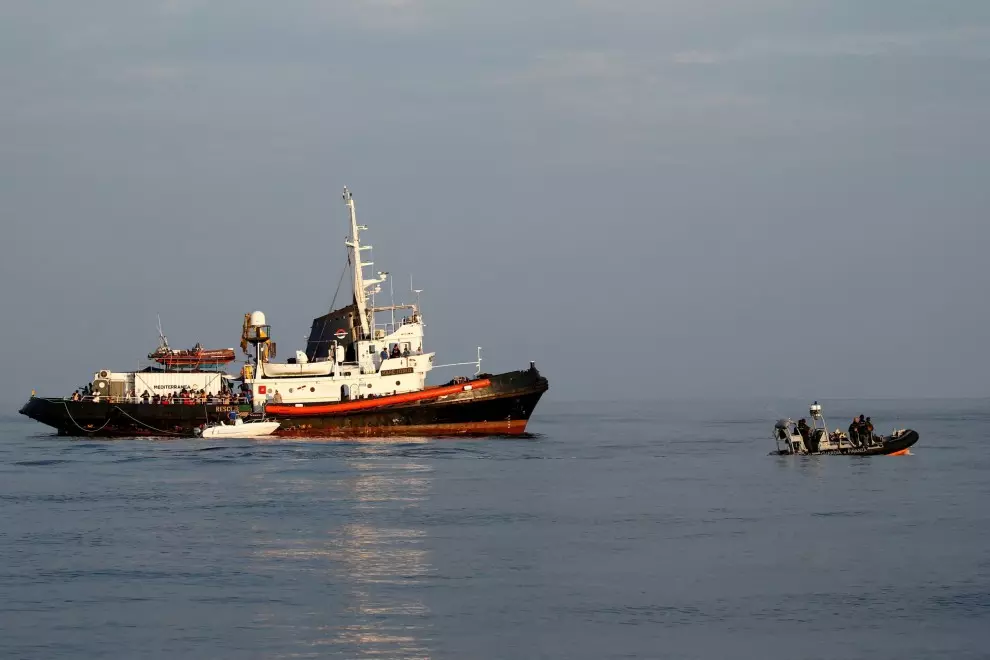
x=369, y=386
x=312, y=389
x=290, y=390
x=398, y=382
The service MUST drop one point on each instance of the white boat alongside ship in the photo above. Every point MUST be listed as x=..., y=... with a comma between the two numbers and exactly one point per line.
x=240, y=429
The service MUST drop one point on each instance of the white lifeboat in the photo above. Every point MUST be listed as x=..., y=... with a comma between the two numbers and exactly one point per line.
x=275, y=369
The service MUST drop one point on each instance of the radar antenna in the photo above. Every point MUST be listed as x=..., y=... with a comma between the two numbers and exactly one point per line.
x=815, y=410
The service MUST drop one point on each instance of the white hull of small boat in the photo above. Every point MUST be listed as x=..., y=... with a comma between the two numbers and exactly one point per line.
x=240, y=430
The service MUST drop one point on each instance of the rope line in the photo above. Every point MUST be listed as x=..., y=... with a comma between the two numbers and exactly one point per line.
x=85, y=430
x=148, y=426
x=332, y=303
x=339, y=282
x=123, y=412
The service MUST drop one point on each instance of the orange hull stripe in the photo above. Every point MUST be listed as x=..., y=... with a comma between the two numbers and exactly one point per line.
x=903, y=452
x=366, y=404
x=513, y=427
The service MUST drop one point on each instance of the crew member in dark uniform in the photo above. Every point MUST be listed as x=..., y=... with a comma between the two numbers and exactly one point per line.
x=869, y=431
x=804, y=430
x=854, y=432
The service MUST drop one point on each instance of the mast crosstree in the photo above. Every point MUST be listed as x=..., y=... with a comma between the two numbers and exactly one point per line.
x=360, y=283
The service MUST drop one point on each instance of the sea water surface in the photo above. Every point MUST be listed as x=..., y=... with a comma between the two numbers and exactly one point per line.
x=634, y=530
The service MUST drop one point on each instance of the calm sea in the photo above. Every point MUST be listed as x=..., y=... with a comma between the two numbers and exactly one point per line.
x=647, y=530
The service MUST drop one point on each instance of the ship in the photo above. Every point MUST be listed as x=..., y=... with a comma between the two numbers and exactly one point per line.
x=800, y=439
x=363, y=373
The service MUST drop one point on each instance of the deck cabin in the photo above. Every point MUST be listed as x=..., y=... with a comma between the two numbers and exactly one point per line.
x=349, y=355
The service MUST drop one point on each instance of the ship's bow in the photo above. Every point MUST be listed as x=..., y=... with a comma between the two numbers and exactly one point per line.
x=50, y=412
x=514, y=396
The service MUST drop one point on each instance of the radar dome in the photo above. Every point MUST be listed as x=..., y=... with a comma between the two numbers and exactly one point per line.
x=258, y=318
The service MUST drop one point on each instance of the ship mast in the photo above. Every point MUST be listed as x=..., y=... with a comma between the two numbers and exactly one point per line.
x=361, y=285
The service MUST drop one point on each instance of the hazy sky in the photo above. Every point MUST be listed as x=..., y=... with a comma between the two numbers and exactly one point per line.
x=647, y=197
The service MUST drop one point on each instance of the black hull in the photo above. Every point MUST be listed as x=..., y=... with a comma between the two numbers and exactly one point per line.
x=888, y=446
x=111, y=420
x=504, y=408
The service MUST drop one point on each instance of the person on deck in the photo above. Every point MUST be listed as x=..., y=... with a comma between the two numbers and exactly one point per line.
x=145, y=396
x=277, y=398
x=854, y=432
x=869, y=431
x=804, y=430
x=395, y=351
x=384, y=354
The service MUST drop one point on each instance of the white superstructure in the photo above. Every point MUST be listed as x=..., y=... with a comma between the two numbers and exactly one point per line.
x=346, y=362
x=126, y=385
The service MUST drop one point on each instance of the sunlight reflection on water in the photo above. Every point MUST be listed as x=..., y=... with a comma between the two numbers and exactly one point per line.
x=374, y=567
